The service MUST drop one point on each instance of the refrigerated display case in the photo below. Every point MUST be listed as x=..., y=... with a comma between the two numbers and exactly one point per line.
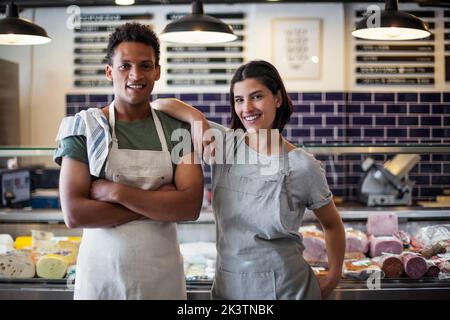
x=19, y=222
x=410, y=220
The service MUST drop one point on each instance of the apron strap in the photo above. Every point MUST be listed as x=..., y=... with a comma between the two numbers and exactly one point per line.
x=284, y=179
x=159, y=130
x=285, y=172
x=112, y=121
x=237, y=141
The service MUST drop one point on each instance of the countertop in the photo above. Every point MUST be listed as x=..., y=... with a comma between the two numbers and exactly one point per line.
x=348, y=212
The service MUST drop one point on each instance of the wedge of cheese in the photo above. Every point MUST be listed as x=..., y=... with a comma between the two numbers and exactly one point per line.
x=22, y=242
x=42, y=241
x=16, y=265
x=69, y=251
x=51, y=266
x=6, y=243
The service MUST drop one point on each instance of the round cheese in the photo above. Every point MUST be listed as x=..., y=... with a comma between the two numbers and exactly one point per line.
x=16, y=265
x=51, y=266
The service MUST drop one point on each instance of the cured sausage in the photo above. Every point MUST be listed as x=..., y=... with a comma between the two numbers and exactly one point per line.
x=415, y=265
x=392, y=265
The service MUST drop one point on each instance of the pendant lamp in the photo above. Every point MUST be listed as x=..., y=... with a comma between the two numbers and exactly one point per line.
x=197, y=28
x=19, y=31
x=391, y=24
x=124, y=2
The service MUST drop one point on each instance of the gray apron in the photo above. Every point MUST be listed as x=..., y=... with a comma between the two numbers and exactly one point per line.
x=259, y=251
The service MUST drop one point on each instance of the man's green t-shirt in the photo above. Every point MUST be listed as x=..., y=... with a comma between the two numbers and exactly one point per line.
x=136, y=135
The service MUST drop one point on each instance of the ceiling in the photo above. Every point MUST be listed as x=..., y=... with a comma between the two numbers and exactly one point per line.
x=64, y=3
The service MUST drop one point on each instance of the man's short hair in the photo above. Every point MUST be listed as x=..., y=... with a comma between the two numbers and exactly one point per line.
x=132, y=32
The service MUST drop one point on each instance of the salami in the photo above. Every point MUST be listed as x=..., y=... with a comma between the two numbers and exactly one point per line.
x=433, y=250
x=433, y=270
x=415, y=265
x=392, y=265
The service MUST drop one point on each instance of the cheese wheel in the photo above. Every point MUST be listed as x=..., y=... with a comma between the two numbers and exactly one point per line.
x=16, y=265
x=51, y=266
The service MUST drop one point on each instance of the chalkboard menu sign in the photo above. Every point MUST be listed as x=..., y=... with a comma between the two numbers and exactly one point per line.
x=206, y=65
x=90, y=42
x=388, y=63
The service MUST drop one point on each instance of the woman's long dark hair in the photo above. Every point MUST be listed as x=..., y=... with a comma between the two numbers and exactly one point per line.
x=269, y=76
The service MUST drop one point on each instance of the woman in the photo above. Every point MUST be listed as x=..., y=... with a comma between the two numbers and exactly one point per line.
x=259, y=211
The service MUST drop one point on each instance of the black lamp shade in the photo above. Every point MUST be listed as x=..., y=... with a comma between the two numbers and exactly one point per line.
x=19, y=31
x=197, y=28
x=392, y=25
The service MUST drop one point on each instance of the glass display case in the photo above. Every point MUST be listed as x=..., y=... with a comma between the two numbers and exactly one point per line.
x=197, y=238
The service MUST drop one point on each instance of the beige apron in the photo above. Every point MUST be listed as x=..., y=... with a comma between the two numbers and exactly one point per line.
x=140, y=259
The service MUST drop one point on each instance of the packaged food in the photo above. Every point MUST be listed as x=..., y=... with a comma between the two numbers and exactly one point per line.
x=428, y=236
x=199, y=260
x=361, y=269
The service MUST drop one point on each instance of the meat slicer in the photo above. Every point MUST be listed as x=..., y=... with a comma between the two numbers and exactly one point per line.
x=387, y=184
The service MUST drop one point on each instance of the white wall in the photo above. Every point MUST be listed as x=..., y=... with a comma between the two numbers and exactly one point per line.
x=22, y=55
x=46, y=70
x=332, y=15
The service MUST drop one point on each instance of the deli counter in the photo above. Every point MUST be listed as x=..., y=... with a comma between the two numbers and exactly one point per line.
x=198, y=238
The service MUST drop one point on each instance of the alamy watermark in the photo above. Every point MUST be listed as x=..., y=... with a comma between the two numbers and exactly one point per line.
x=374, y=280
x=74, y=20
x=373, y=14
x=214, y=146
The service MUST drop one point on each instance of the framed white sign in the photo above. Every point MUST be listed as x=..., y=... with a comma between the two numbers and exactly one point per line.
x=297, y=47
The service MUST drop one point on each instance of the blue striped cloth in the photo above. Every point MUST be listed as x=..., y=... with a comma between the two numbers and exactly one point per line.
x=92, y=124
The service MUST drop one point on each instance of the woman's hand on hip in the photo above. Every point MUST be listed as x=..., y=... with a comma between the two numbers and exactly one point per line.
x=327, y=284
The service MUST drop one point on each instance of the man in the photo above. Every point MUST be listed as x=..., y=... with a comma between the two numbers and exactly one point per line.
x=129, y=248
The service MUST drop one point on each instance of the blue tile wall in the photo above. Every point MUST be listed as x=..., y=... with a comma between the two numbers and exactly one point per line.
x=344, y=117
